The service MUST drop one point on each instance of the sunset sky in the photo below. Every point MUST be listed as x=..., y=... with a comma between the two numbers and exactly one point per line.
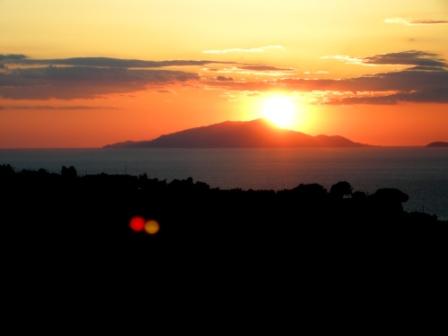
x=85, y=73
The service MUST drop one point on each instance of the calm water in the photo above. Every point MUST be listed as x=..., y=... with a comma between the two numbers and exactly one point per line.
x=420, y=172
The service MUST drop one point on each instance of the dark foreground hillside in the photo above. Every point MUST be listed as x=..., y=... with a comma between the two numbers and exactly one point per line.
x=67, y=213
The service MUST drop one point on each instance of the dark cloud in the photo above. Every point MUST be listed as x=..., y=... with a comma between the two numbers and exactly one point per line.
x=103, y=62
x=406, y=80
x=55, y=107
x=439, y=95
x=263, y=68
x=224, y=79
x=410, y=57
x=429, y=22
x=81, y=82
x=413, y=85
x=120, y=63
x=86, y=77
x=6, y=58
x=426, y=81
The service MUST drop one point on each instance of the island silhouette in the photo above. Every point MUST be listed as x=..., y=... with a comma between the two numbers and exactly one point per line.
x=438, y=144
x=234, y=134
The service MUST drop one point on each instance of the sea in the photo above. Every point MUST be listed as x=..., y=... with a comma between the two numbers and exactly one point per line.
x=422, y=173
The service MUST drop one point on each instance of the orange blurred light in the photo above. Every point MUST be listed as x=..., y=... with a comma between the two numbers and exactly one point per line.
x=152, y=227
x=137, y=224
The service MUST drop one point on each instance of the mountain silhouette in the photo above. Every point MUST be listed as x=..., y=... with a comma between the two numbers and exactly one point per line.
x=437, y=144
x=256, y=133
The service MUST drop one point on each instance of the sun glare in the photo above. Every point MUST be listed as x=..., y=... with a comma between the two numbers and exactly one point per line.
x=280, y=110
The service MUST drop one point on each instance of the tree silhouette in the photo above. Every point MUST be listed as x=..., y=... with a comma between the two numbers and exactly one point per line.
x=341, y=189
x=66, y=211
x=69, y=172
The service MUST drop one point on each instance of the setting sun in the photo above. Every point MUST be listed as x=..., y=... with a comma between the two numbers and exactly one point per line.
x=280, y=111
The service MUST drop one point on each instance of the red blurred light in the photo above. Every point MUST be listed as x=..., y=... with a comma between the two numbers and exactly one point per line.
x=137, y=224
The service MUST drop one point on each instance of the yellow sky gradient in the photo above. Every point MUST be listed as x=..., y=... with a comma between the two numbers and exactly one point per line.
x=290, y=34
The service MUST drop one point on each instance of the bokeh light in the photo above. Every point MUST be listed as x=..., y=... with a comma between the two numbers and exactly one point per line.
x=137, y=224
x=152, y=227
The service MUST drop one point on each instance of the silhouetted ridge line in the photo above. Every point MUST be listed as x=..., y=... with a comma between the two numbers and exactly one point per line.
x=233, y=134
x=437, y=144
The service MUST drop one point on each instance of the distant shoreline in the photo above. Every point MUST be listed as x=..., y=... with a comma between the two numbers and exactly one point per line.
x=416, y=170
x=438, y=144
x=341, y=198
x=199, y=148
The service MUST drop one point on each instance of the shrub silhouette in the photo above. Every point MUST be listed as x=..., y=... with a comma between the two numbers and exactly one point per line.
x=70, y=212
x=6, y=171
x=341, y=189
x=69, y=172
